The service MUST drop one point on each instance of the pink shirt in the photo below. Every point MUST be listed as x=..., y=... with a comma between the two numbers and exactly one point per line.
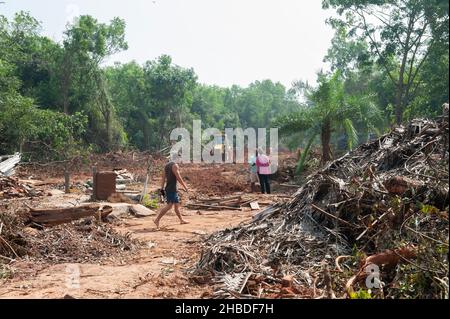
x=263, y=164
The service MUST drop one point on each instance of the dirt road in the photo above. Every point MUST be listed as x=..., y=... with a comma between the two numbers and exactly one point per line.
x=157, y=271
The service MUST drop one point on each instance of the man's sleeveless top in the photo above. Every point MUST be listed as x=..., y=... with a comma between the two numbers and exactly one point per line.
x=171, y=186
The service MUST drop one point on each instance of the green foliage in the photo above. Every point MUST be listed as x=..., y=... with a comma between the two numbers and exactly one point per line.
x=361, y=294
x=407, y=41
x=91, y=41
x=429, y=209
x=301, y=163
x=132, y=105
x=330, y=108
x=56, y=135
x=38, y=75
x=15, y=121
x=5, y=272
x=358, y=254
x=160, y=95
x=151, y=203
x=415, y=283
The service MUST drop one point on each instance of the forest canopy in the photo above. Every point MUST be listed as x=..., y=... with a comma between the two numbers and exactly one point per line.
x=388, y=64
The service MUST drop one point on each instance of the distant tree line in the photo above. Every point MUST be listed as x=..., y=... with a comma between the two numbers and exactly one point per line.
x=58, y=96
x=389, y=63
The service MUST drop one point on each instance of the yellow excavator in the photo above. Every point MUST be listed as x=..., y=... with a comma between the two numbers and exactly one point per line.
x=222, y=146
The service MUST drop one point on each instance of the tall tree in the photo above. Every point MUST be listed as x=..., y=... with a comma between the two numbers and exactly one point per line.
x=170, y=88
x=330, y=109
x=400, y=34
x=87, y=43
x=131, y=96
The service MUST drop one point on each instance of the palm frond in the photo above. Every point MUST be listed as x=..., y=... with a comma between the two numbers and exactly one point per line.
x=297, y=122
x=305, y=153
x=350, y=131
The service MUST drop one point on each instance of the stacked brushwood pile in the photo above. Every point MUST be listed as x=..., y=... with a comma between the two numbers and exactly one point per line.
x=80, y=241
x=376, y=218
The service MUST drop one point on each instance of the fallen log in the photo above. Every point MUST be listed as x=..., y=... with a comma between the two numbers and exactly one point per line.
x=58, y=216
x=392, y=257
x=290, y=185
x=211, y=201
x=335, y=217
x=196, y=206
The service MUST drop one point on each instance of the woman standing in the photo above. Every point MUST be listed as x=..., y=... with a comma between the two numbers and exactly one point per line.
x=263, y=165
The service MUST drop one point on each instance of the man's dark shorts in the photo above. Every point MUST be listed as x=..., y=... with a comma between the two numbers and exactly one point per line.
x=172, y=198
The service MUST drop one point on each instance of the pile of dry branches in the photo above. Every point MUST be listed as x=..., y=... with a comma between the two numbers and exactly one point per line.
x=82, y=241
x=11, y=187
x=384, y=204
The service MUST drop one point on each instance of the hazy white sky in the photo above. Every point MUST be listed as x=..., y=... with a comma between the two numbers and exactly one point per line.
x=225, y=41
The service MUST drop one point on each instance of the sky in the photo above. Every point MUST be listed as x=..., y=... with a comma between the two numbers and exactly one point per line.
x=226, y=42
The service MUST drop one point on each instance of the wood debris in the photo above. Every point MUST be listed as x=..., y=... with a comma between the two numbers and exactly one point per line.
x=58, y=216
x=226, y=203
x=11, y=187
x=81, y=241
x=386, y=195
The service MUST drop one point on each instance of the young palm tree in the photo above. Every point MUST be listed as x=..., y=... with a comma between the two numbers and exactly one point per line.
x=329, y=109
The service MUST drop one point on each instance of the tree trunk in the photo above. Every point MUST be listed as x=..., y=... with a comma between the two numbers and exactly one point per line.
x=399, y=105
x=145, y=132
x=401, y=85
x=66, y=83
x=58, y=216
x=108, y=129
x=65, y=101
x=304, y=155
x=326, y=139
x=179, y=118
x=66, y=178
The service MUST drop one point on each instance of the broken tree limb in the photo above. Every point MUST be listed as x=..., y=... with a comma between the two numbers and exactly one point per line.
x=371, y=226
x=58, y=216
x=332, y=216
x=247, y=202
x=290, y=185
x=196, y=206
x=392, y=257
x=338, y=260
x=389, y=258
x=2, y=240
x=220, y=200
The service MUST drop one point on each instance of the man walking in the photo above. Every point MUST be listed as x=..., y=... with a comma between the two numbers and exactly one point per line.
x=172, y=176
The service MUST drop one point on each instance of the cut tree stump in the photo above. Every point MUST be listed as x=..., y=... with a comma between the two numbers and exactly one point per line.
x=58, y=216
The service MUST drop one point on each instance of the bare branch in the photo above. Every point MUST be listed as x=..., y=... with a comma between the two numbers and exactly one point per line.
x=373, y=42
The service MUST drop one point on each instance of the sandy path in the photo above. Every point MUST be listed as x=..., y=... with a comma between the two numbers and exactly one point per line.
x=148, y=274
